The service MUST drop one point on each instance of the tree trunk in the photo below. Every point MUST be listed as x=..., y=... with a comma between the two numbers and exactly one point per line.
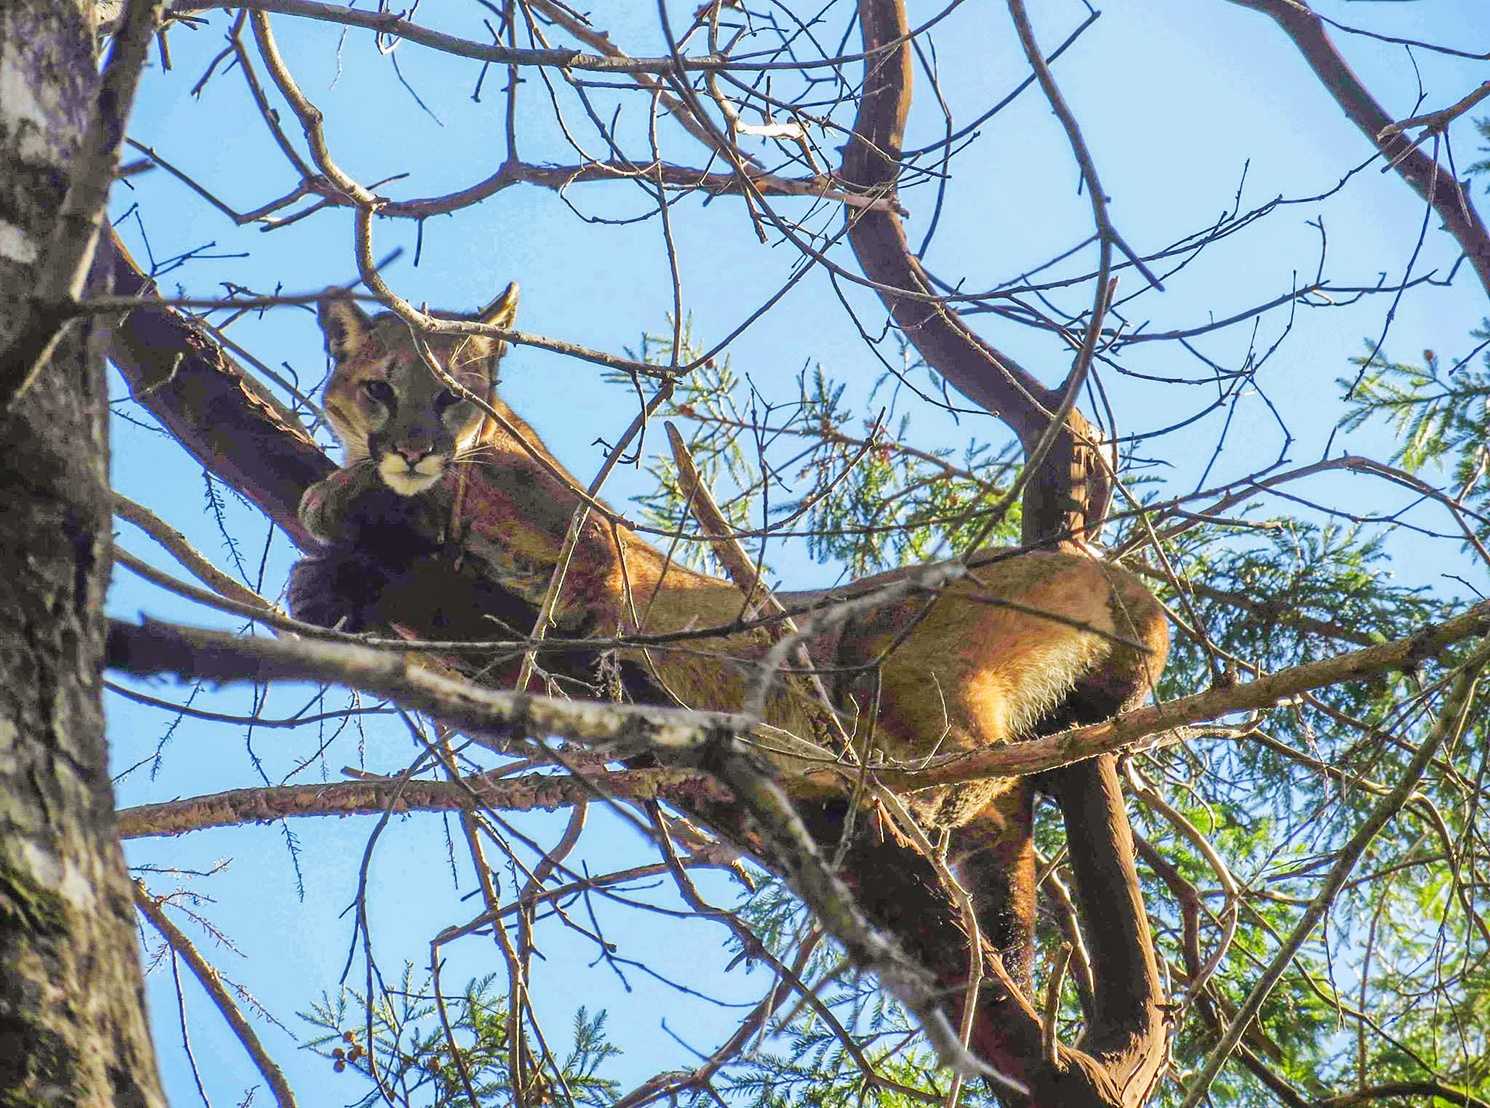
x=72, y=1024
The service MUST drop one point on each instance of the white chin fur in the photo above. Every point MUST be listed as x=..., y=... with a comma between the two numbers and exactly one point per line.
x=397, y=477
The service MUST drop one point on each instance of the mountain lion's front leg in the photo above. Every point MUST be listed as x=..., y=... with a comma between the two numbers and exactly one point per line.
x=375, y=539
x=326, y=507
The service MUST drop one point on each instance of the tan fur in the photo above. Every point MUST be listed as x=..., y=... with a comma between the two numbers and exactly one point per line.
x=420, y=415
x=976, y=666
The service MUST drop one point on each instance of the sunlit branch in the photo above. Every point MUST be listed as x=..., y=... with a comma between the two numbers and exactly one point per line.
x=1451, y=720
x=526, y=793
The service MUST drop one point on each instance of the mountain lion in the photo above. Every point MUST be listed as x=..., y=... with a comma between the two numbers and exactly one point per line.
x=434, y=486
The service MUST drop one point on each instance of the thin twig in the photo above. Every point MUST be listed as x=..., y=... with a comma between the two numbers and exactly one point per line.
x=151, y=908
x=179, y=548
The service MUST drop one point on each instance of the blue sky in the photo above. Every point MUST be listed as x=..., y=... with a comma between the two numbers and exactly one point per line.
x=1175, y=98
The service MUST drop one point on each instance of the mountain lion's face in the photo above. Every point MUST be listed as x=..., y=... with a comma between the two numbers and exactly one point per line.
x=387, y=407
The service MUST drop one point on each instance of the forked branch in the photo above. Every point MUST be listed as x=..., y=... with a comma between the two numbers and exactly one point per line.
x=1074, y=481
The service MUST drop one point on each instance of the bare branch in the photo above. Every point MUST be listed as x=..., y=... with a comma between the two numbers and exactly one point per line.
x=207, y=976
x=526, y=793
x=1451, y=720
x=182, y=550
x=1446, y=195
x=1437, y=122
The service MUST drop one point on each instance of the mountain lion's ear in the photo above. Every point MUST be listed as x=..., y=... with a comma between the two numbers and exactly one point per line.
x=345, y=325
x=503, y=310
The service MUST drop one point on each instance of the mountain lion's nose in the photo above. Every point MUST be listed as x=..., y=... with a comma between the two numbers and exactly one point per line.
x=413, y=453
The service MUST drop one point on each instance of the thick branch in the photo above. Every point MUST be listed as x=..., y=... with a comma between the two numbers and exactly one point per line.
x=1075, y=484
x=1068, y=490
x=1127, y=1024
x=222, y=416
x=871, y=162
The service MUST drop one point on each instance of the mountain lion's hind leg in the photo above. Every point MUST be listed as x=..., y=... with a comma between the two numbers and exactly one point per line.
x=993, y=858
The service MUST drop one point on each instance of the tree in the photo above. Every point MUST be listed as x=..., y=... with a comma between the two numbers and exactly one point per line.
x=1349, y=779
x=72, y=1021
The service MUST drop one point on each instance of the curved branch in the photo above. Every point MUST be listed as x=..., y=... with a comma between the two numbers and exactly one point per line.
x=1071, y=492
x=1067, y=495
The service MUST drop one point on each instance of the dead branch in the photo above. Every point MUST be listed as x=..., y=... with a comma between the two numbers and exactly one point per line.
x=189, y=557
x=388, y=24
x=153, y=910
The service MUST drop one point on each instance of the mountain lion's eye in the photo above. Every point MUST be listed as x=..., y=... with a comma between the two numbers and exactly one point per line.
x=379, y=390
x=445, y=400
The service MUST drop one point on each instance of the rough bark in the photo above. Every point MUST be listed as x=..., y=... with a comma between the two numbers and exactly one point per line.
x=222, y=416
x=72, y=1026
